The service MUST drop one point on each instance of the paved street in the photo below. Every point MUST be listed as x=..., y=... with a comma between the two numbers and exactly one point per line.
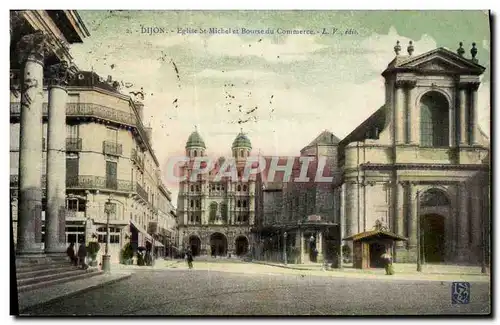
x=264, y=292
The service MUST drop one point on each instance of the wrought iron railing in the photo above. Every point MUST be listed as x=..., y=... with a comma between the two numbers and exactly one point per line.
x=86, y=109
x=141, y=192
x=112, y=148
x=136, y=158
x=98, y=182
x=73, y=144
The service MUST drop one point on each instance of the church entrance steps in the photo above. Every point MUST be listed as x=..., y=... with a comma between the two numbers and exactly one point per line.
x=32, y=283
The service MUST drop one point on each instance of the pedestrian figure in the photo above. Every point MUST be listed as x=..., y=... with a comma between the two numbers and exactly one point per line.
x=189, y=258
x=387, y=258
x=71, y=254
x=82, y=254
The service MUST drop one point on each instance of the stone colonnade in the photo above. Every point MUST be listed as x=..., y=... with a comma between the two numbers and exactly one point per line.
x=32, y=51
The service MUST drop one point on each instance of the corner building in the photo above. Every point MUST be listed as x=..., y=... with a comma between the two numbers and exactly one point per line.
x=215, y=216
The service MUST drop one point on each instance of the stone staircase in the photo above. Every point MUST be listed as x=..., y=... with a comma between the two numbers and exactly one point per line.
x=43, y=271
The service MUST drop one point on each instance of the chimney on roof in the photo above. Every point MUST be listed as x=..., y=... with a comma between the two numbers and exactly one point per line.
x=140, y=109
x=110, y=79
x=149, y=134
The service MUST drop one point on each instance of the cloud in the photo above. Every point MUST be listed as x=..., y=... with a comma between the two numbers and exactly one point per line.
x=381, y=47
x=235, y=74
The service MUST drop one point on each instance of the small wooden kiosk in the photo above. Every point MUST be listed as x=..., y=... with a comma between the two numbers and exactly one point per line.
x=369, y=246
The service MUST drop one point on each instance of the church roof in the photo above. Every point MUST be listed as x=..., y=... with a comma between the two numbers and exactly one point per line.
x=195, y=140
x=324, y=138
x=437, y=60
x=242, y=141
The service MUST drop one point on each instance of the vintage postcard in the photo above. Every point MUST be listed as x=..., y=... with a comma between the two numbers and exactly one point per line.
x=250, y=163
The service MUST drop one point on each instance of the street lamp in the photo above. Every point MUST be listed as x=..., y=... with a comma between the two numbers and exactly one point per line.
x=285, y=235
x=419, y=262
x=106, y=258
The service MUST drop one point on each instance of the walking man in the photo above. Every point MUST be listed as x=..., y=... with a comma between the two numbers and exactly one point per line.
x=189, y=258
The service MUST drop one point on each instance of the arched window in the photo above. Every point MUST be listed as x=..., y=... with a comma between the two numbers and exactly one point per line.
x=241, y=153
x=213, y=210
x=434, y=120
x=239, y=188
x=192, y=188
x=238, y=204
x=197, y=188
x=434, y=197
x=192, y=203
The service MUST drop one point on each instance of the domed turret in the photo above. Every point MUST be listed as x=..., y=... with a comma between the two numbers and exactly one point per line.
x=195, y=146
x=241, y=146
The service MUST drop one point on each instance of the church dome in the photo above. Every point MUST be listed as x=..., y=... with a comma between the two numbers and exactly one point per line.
x=242, y=141
x=195, y=140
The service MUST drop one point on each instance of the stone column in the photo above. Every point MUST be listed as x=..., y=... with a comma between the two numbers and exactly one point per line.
x=477, y=212
x=463, y=224
x=299, y=244
x=463, y=114
x=319, y=246
x=474, y=128
x=413, y=224
x=400, y=212
x=55, y=216
x=31, y=50
x=399, y=113
x=413, y=115
x=453, y=126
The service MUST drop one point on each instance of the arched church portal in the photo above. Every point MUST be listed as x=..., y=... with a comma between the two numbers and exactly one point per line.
x=218, y=244
x=195, y=245
x=241, y=244
x=433, y=203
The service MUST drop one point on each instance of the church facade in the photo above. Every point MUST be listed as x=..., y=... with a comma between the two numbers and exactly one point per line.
x=414, y=164
x=215, y=214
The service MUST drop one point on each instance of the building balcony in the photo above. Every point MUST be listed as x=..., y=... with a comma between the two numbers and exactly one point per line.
x=73, y=144
x=112, y=148
x=84, y=110
x=141, y=192
x=137, y=159
x=98, y=182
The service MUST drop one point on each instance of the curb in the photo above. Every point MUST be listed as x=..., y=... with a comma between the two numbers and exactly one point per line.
x=364, y=275
x=74, y=293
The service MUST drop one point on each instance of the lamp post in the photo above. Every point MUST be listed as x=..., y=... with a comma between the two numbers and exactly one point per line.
x=285, y=235
x=419, y=262
x=106, y=258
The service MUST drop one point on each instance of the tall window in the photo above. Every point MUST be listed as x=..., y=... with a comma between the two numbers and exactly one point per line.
x=112, y=134
x=434, y=120
x=223, y=211
x=72, y=166
x=213, y=210
x=111, y=176
x=72, y=131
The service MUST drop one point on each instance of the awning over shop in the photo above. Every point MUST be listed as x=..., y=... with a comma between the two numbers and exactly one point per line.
x=141, y=230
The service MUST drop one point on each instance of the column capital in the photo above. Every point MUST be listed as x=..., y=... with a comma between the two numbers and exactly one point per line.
x=33, y=46
x=465, y=85
x=59, y=74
